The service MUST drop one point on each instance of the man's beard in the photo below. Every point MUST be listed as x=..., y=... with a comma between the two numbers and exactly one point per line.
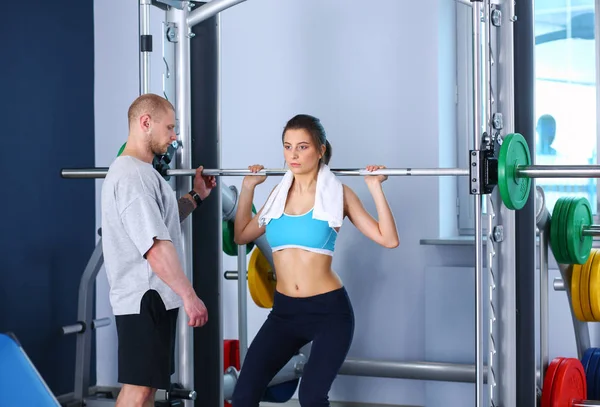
x=158, y=149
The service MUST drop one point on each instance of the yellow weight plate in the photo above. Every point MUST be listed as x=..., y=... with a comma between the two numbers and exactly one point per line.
x=595, y=284
x=575, y=292
x=260, y=281
x=584, y=289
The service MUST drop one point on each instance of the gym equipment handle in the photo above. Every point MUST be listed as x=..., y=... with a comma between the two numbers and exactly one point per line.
x=182, y=394
x=233, y=275
x=79, y=327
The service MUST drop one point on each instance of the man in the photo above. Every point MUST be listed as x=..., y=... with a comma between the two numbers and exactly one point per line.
x=546, y=128
x=142, y=245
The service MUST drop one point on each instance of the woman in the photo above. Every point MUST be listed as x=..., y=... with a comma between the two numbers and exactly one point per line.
x=301, y=219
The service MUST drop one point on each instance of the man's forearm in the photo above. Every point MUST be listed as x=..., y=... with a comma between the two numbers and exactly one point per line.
x=164, y=261
x=186, y=206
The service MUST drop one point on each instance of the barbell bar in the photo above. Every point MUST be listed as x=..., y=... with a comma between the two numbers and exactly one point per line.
x=531, y=171
x=512, y=169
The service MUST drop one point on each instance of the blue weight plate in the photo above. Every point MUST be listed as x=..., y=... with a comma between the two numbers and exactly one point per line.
x=590, y=373
x=594, y=379
x=585, y=360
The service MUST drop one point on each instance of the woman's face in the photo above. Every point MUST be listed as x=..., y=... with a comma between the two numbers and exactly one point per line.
x=301, y=153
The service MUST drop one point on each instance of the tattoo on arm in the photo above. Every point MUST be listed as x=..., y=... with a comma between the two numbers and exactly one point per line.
x=186, y=206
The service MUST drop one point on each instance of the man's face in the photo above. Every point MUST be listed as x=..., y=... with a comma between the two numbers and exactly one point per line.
x=162, y=132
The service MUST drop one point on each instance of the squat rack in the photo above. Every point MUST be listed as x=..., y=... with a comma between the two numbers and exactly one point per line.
x=493, y=82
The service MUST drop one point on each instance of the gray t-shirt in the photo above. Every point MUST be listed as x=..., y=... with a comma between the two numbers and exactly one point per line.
x=138, y=205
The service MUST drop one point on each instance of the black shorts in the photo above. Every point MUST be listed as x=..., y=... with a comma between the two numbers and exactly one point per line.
x=147, y=344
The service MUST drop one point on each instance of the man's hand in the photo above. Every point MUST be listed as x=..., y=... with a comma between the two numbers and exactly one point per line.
x=196, y=311
x=203, y=184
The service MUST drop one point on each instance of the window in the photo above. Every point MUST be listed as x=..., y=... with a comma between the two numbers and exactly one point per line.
x=565, y=94
x=565, y=99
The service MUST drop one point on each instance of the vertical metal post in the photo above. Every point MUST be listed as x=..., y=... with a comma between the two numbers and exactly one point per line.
x=506, y=272
x=85, y=313
x=145, y=45
x=525, y=236
x=543, y=303
x=185, y=356
x=242, y=303
x=477, y=97
x=208, y=264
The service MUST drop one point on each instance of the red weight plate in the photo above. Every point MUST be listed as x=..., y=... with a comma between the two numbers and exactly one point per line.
x=549, y=382
x=569, y=383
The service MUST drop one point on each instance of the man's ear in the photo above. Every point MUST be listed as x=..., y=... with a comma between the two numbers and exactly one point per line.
x=145, y=122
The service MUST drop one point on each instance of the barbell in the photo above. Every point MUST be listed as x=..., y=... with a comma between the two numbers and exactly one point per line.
x=512, y=169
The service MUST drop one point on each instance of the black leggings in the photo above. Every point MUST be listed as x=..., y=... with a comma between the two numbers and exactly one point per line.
x=325, y=319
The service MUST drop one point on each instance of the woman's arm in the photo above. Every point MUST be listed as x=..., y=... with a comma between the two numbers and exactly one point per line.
x=384, y=231
x=245, y=226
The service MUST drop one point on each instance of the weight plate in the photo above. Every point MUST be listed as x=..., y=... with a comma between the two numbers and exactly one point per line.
x=595, y=283
x=554, y=224
x=121, y=149
x=514, y=152
x=564, y=227
x=576, y=292
x=229, y=246
x=585, y=360
x=260, y=282
x=586, y=304
x=562, y=231
x=569, y=383
x=593, y=378
x=592, y=374
x=579, y=215
x=549, y=382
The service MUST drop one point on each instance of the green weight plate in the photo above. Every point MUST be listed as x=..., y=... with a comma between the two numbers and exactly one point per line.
x=579, y=215
x=562, y=231
x=121, y=149
x=554, y=227
x=229, y=246
x=513, y=190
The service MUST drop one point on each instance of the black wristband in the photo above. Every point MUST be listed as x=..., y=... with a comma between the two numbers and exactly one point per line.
x=196, y=198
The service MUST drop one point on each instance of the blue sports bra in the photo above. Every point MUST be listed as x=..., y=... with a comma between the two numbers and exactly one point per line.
x=301, y=231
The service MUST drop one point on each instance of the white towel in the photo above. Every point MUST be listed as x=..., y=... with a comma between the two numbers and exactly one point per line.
x=329, y=199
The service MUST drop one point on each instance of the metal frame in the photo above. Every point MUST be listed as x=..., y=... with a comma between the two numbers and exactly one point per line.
x=493, y=83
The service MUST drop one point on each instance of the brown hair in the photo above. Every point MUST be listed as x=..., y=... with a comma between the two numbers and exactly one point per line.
x=314, y=127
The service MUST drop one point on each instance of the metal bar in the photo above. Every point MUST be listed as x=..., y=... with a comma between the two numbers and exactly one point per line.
x=185, y=356
x=544, y=303
x=447, y=372
x=584, y=403
x=209, y=10
x=233, y=275
x=101, y=172
x=506, y=336
x=582, y=333
x=85, y=314
x=559, y=284
x=477, y=131
x=242, y=304
x=144, y=16
x=590, y=232
x=558, y=171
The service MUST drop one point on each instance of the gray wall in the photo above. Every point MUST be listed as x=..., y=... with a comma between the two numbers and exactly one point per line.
x=381, y=76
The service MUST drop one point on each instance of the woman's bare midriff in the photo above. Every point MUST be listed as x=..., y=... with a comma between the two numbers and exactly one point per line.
x=301, y=273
